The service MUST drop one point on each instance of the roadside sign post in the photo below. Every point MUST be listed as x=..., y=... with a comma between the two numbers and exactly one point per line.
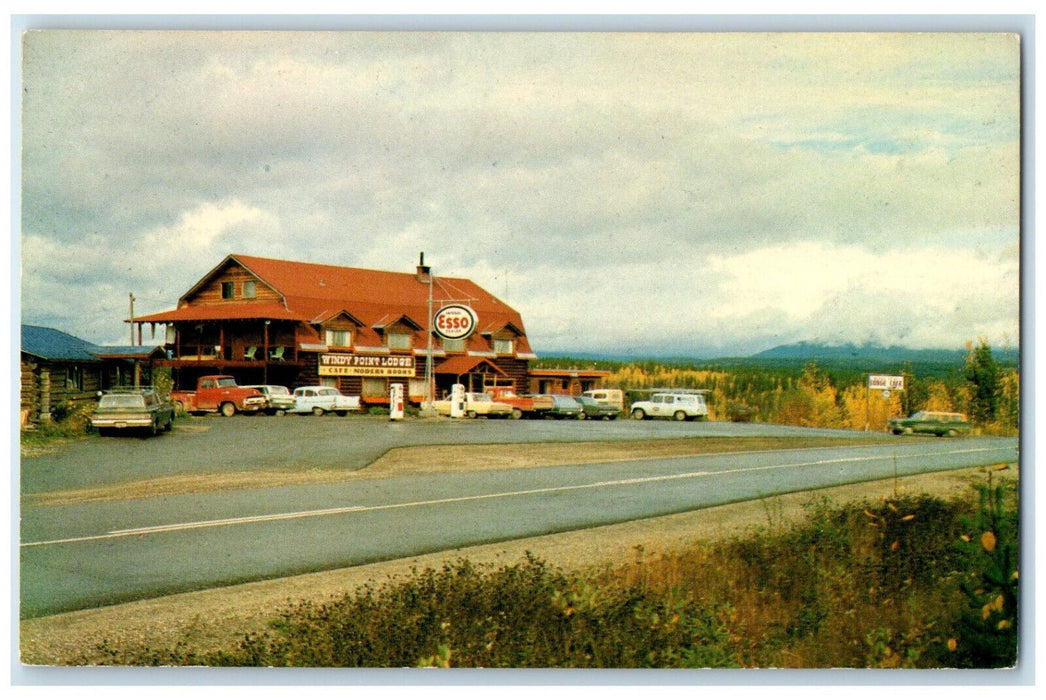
x=880, y=382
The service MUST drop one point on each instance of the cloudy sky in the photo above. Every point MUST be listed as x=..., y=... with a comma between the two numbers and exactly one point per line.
x=709, y=194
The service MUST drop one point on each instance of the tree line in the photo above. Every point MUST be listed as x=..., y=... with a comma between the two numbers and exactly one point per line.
x=827, y=394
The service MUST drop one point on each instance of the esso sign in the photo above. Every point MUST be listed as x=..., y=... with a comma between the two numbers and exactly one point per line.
x=454, y=322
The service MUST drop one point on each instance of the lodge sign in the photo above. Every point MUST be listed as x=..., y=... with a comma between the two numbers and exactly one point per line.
x=350, y=365
x=454, y=321
x=886, y=382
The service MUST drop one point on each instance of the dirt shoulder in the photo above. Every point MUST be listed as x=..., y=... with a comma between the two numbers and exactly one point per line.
x=219, y=617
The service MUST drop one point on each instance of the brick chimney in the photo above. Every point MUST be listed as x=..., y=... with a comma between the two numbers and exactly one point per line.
x=424, y=274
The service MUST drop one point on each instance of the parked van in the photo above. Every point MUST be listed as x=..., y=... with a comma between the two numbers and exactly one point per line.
x=607, y=397
x=668, y=405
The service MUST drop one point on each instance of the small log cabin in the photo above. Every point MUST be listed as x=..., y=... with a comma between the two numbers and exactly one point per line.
x=60, y=371
x=267, y=321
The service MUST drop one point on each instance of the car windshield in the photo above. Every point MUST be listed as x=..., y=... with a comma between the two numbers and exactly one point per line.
x=122, y=401
x=279, y=390
x=478, y=398
x=919, y=415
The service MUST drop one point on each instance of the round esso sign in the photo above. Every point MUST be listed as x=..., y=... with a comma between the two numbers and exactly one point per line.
x=454, y=322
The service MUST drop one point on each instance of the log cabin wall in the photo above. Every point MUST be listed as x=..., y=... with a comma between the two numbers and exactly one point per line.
x=47, y=385
x=212, y=291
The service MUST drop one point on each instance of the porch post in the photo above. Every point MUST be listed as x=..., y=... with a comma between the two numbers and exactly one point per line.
x=265, y=352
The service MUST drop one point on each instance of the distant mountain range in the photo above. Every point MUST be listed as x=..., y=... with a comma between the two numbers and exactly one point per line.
x=875, y=353
x=847, y=354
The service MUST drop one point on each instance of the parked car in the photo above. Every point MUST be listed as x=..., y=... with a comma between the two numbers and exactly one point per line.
x=564, y=407
x=476, y=404
x=318, y=400
x=591, y=408
x=218, y=393
x=133, y=409
x=608, y=397
x=937, y=423
x=278, y=399
x=522, y=406
x=677, y=406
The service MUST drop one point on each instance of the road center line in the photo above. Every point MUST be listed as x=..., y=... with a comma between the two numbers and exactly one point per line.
x=296, y=515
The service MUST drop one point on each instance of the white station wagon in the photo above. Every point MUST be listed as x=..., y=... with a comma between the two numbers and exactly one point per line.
x=669, y=405
x=318, y=400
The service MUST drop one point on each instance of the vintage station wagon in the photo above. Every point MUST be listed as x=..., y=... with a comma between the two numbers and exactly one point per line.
x=937, y=423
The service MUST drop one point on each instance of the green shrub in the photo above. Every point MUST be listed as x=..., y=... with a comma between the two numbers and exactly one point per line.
x=861, y=585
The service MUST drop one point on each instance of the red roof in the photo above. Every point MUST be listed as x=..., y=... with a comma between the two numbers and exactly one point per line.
x=313, y=293
x=225, y=311
x=463, y=364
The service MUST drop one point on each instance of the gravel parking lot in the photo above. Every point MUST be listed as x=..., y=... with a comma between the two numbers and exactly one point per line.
x=212, y=444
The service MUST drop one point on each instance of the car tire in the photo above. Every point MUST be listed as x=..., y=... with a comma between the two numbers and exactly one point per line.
x=516, y=414
x=228, y=409
x=639, y=414
x=342, y=413
x=280, y=412
x=471, y=414
x=317, y=411
x=679, y=416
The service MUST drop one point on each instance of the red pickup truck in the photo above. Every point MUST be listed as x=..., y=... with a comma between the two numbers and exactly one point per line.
x=219, y=393
x=530, y=406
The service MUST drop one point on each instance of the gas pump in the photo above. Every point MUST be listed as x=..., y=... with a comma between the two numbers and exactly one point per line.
x=457, y=401
x=395, y=402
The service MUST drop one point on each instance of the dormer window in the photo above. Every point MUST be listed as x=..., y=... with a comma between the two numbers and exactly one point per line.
x=338, y=339
x=250, y=289
x=503, y=346
x=228, y=290
x=398, y=341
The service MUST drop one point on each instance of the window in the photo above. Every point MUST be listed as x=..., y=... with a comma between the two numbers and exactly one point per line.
x=74, y=378
x=228, y=290
x=250, y=289
x=399, y=341
x=503, y=346
x=339, y=339
x=374, y=387
x=454, y=344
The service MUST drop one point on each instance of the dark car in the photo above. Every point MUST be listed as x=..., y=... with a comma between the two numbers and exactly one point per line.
x=937, y=423
x=132, y=409
x=564, y=407
x=590, y=408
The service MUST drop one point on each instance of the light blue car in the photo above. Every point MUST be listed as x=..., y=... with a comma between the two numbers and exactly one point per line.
x=318, y=400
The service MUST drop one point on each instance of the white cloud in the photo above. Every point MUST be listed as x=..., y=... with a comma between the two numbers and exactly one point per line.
x=923, y=296
x=785, y=182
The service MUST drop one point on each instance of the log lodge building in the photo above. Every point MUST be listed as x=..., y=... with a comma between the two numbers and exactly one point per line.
x=268, y=321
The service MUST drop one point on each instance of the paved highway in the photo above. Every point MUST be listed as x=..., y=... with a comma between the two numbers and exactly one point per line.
x=87, y=555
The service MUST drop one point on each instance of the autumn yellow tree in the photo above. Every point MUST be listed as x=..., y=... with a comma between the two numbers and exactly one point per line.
x=813, y=402
x=938, y=397
x=869, y=410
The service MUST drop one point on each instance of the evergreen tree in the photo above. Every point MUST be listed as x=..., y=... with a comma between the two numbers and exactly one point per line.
x=982, y=377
